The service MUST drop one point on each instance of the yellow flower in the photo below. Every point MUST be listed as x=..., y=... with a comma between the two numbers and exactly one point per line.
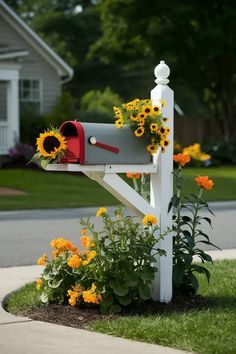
x=139, y=132
x=85, y=263
x=156, y=110
x=83, y=231
x=165, y=143
x=39, y=283
x=42, y=260
x=149, y=219
x=119, y=123
x=165, y=119
x=154, y=127
x=102, y=211
x=50, y=143
x=152, y=148
x=74, y=261
x=134, y=117
x=141, y=122
x=147, y=109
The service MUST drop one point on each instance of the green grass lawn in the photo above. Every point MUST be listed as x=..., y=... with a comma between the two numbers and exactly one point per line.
x=61, y=190
x=207, y=331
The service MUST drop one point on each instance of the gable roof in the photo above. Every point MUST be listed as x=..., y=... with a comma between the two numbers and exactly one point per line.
x=63, y=69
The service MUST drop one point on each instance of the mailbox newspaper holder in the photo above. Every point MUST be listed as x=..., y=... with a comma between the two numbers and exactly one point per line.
x=101, y=151
x=94, y=143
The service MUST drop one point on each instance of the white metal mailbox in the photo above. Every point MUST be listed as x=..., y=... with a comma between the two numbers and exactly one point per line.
x=96, y=143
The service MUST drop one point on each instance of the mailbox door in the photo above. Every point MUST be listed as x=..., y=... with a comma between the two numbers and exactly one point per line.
x=74, y=133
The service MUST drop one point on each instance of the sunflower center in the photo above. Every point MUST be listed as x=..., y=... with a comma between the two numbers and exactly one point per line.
x=50, y=143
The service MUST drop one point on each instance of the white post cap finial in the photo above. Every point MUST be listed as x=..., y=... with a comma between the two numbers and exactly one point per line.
x=162, y=71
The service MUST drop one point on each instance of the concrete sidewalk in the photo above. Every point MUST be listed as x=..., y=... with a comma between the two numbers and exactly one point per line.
x=20, y=335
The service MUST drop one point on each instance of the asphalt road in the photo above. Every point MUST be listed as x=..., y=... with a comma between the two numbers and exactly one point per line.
x=25, y=235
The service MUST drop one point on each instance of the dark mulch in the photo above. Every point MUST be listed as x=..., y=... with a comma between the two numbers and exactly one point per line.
x=80, y=317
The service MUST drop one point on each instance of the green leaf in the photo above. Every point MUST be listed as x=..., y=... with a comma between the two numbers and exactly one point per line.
x=115, y=308
x=187, y=258
x=147, y=273
x=144, y=291
x=120, y=288
x=194, y=282
x=44, y=298
x=178, y=274
x=201, y=269
x=132, y=278
x=124, y=300
x=55, y=283
x=208, y=220
x=186, y=218
x=44, y=164
x=107, y=300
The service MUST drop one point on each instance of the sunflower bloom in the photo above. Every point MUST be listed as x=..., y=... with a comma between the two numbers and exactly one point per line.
x=149, y=219
x=101, y=211
x=119, y=123
x=182, y=159
x=152, y=148
x=204, y=182
x=50, y=144
x=139, y=132
x=154, y=127
x=156, y=110
x=147, y=109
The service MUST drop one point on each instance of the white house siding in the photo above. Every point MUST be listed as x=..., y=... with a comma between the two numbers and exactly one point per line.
x=33, y=66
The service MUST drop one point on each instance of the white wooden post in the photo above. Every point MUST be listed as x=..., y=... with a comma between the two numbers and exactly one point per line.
x=161, y=186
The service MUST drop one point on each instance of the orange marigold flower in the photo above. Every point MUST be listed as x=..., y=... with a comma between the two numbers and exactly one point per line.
x=86, y=241
x=149, y=219
x=42, y=260
x=83, y=231
x=204, y=182
x=75, y=294
x=181, y=159
x=74, y=261
x=39, y=283
x=133, y=175
x=60, y=245
x=91, y=295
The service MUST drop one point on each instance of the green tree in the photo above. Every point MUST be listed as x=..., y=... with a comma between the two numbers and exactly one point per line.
x=197, y=37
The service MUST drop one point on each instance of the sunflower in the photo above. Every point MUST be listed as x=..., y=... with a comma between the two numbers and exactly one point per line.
x=165, y=143
x=165, y=119
x=139, y=132
x=155, y=110
x=119, y=123
x=152, y=148
x=147, y=109
x=50, y=144
x=154, y=127
x=134, y=117
x=141, y=122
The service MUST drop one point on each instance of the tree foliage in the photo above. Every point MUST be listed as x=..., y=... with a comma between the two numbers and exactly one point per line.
x=197, y=38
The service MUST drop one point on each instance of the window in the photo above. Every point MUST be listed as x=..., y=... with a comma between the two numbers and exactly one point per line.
x=30, y=97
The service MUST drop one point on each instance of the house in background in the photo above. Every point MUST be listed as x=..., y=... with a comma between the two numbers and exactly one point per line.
x=31, y=75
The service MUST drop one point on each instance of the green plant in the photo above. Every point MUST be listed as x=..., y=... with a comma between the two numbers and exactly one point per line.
x=187, y=231
x=115, y=269
x=100, y=101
